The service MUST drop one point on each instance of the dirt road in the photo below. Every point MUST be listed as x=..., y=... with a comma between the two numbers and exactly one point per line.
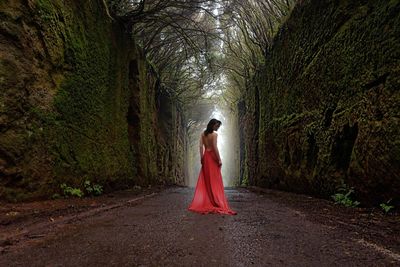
x=271, y=229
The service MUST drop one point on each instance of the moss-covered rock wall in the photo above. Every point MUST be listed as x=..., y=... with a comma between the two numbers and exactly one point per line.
x=172, y=140
x=77, y=101
x=329, y=102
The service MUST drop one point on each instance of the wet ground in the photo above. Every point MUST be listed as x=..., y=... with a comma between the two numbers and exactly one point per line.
x=153, y=228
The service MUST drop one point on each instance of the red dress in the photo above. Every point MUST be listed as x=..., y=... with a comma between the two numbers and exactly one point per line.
x=209, y=195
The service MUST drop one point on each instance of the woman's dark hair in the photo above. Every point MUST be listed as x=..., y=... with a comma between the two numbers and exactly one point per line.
x=210, y=126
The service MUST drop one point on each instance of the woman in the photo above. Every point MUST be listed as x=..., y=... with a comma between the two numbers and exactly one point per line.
x=209, y=196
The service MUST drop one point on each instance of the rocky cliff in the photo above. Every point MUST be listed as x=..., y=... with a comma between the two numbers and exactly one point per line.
x=78, y=101
x=327, y=103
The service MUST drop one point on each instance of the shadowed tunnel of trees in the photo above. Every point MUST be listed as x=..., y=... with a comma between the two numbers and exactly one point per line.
x=205, y=53
x=118, y=92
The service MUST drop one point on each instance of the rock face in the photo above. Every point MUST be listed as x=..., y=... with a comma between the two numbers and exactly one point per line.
x=327, y=103
x=78, y=101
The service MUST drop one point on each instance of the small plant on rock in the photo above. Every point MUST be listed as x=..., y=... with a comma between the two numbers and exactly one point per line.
x=70, y=191
x=56, y=196
x=93, y=189
x=343, y=197
x=386, y=207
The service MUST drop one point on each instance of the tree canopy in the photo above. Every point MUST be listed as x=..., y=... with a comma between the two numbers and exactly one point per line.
x=203, y=49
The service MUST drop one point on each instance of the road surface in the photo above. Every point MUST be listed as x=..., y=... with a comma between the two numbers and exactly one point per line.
x=157, y=230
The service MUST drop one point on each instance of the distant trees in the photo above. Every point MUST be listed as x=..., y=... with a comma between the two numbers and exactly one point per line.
x=248, y=28
x=177, y=37
x=196, y=43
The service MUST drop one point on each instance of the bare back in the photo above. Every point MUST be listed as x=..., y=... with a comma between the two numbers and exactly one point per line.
x=210, y=144
x=208, y=140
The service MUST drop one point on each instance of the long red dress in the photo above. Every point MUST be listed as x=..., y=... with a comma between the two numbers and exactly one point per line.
x=209, y=195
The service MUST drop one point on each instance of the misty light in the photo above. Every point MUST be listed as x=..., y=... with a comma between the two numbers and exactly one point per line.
x=227, y=145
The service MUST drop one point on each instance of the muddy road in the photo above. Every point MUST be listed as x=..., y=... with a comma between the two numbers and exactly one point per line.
x=272, y=228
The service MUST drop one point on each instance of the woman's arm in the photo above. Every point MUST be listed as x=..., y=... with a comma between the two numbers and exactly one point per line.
x=201, y=148
x=216, y=149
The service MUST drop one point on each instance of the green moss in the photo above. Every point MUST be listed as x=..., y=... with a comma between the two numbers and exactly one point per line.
x=84, y=61
x=334, y=66
x=394, y=3
x=89, y=135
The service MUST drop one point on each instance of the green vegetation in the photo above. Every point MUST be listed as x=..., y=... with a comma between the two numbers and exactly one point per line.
x=386, y=207
x=89, y=187
x=318, y=104
x=93, y=189
x=94, y=111
x=323, y=106
x=245, y=181
x=71, y=191
x=344, y=196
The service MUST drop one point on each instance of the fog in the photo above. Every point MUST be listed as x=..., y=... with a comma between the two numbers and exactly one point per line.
x=228, y=142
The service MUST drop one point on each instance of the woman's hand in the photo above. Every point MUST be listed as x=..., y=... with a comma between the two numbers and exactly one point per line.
x=219, y=163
